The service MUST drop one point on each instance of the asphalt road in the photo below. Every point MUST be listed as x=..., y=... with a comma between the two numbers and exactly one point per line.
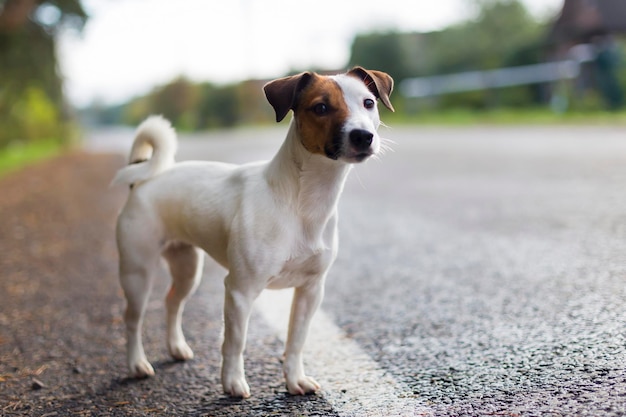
x=481, y=270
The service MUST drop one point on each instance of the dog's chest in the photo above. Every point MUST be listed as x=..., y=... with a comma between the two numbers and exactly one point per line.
x=307, y=258
x=299, y=271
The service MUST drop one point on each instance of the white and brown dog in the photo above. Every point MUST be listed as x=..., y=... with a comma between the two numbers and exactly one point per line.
x=272, y=224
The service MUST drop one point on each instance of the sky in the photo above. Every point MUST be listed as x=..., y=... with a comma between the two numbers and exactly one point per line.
x=130, y=46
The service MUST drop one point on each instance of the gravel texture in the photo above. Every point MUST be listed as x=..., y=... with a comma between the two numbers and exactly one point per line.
x=497, y=285
x=482, y=268
x=61, y=330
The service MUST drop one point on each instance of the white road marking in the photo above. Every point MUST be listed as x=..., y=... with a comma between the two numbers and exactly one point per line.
x=351, y=381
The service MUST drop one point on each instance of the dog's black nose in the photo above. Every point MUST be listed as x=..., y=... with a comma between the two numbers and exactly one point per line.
x=361, y=139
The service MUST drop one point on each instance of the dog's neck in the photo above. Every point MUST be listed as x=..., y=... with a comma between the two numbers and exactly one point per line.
x=310, y=183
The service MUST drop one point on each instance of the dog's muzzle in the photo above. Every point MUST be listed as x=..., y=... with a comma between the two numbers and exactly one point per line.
x=360, y=145
x=356, y=147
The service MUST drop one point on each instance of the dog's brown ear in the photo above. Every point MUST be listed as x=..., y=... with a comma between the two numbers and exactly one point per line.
x=379, y=83
x=283, y=93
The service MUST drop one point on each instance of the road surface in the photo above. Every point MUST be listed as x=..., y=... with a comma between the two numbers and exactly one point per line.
x=481, y=272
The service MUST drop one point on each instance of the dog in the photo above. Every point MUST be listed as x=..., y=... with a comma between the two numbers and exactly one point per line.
x=271, y=224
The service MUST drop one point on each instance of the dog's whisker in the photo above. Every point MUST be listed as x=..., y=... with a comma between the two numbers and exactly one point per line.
x=385, y=146
x=358, y=177
x=388, y=141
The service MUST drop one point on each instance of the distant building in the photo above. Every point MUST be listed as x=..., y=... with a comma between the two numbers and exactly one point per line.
x=588, y=27
x=581, y=21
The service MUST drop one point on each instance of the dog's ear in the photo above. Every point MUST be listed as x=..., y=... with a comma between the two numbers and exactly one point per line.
x=379, y=83
x=283, y=93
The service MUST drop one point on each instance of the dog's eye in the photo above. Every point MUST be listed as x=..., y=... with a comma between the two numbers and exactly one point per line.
x=320, y=109
x=368, y=103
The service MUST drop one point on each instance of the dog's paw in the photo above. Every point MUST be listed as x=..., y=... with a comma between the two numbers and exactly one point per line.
x=141, y=369
x=237, y=388
x=181, y=351
x=302, y=386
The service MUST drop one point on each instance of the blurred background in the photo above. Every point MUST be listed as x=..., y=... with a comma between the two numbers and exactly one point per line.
x=481, y=267
x=67, y=64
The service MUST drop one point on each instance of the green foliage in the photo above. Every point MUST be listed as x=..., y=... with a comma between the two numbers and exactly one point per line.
x=218, y=107
x=193, y=106
x=502, y=34
x=56, y=14
x=32, y=107
x=390, y=52
x=19, y=154
x=176, y=101
x=30, y=117
x=502, y=28
x=35, y=115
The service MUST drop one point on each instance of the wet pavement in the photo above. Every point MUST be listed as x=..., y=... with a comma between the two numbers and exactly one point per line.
x=481, y=268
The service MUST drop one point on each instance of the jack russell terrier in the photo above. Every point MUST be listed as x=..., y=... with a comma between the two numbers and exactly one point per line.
x=272, y=224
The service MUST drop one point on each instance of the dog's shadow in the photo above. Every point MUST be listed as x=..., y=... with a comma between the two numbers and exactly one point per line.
x=177, y=389
x=274, y=402
x=166, y=365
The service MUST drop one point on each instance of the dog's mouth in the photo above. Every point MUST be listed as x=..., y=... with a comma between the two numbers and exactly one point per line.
x=350, y=157
x=358, y=156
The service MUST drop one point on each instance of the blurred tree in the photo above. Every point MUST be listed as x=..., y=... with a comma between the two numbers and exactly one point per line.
x=132, y=112
x=502, y=28
x=219, y=106
x=176, y=101
x=253, y=107
x=389, y=52
x=188, y=105
x=502, y=34
x=28, y=64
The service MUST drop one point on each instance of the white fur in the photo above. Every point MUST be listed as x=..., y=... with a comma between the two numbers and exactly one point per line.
x=271, y=224
x=360, y=118
x=155, y=141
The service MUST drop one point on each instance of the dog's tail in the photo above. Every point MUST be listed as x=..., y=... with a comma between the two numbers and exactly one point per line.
x=152, y=152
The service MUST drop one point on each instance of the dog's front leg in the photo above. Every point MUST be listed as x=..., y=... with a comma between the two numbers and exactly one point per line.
x=237, y=308
x=306, y=301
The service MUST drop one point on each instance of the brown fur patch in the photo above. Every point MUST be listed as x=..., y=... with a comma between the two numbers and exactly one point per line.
x=320, y=133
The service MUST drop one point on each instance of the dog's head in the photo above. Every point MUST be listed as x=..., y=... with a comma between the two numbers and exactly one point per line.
x=336, y=116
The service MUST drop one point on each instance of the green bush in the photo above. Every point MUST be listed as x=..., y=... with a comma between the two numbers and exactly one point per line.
x=31, y=117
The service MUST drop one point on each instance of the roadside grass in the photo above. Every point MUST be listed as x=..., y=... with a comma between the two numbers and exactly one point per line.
x=18, y=155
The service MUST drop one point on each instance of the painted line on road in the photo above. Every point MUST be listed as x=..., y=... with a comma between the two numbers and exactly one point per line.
x=352, y=383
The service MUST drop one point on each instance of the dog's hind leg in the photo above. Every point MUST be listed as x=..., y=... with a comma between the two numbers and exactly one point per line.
x=185, y=262
x=137, y=267
x=139, y=249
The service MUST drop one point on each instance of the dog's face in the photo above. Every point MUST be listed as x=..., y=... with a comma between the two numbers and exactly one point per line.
x=336, y=116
